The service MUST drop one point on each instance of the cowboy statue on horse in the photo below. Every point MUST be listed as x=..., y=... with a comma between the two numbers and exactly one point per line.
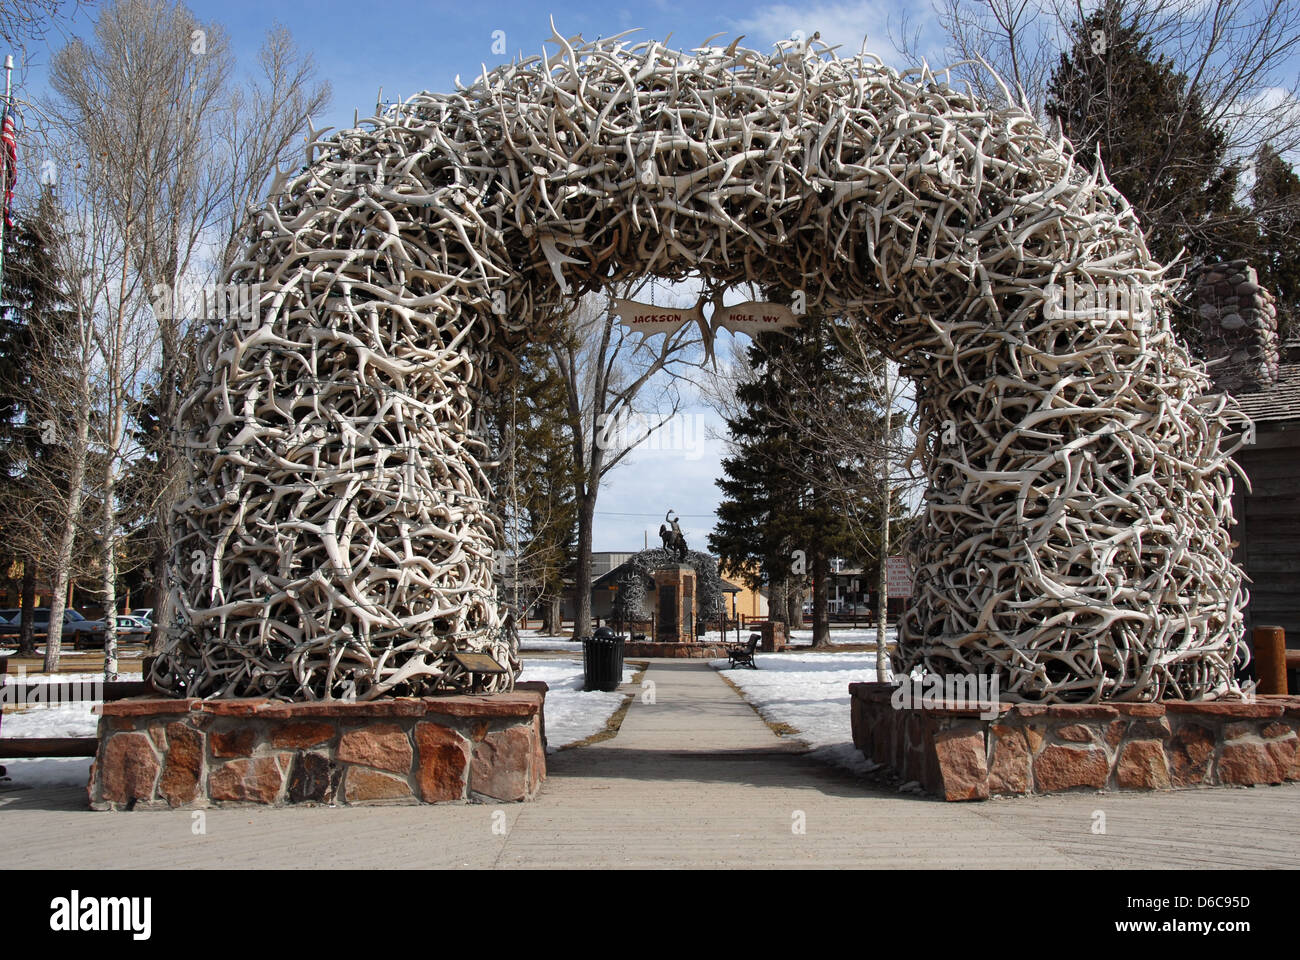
x=674, y=541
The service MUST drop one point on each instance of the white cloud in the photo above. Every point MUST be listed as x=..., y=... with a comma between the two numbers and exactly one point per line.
x=844, y=23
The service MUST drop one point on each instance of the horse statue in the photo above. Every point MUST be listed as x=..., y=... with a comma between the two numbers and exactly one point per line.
x=673, y=539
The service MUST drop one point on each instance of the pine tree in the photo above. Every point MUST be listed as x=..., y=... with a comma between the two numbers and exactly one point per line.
x=34, y=310
x=778, y=520
x=1115, y=95
x=1276, y=201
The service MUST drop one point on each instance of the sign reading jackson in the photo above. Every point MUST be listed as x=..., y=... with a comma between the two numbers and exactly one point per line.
x=749, y=318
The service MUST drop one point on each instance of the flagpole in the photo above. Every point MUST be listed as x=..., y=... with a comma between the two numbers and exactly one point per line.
x=4, y=168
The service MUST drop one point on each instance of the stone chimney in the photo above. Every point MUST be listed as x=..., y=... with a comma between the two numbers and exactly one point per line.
x=1238, y=326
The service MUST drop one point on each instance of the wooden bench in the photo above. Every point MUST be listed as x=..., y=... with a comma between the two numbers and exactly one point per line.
x=40, y=692
x=744, y=656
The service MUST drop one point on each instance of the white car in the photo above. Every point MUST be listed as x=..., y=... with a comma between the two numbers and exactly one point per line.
x=128, y=628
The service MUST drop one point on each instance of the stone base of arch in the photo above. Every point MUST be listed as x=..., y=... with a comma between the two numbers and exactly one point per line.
x=196, y=754
x=961, y=752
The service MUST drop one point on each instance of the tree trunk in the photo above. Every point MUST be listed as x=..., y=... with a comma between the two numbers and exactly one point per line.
x=582, y=579
x=62, y=577
x=161, y=601
x=27, y=630
x=68, y=538
x=551, y=615
x=799, y=596
x=777, y=611
x=882, y=593
x=882, y=609
x=110, y=581
x=821, y=567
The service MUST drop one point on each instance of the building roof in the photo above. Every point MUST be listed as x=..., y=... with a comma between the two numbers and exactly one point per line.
x=1281, y=400
x=612, y=577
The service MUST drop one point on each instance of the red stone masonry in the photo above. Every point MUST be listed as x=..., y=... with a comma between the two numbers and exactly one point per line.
x=1037, y=749
x=201, y=753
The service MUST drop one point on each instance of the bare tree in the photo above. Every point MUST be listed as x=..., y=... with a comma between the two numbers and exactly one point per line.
x=24, y=20
x=1238, y=57
x=620, y=389
x=126, y=337
x=26, y=24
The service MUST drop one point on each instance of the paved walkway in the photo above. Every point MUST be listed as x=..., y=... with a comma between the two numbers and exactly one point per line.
x=695, y=779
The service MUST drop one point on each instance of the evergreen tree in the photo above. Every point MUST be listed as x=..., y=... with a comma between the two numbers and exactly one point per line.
x=781, y=515
x=1276, y=200
x=1116, y=96
x=34, y=306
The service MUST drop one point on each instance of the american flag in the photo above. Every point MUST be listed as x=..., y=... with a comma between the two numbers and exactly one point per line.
x=11, y=162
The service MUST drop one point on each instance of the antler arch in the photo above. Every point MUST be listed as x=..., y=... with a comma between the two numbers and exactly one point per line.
x=336, y=538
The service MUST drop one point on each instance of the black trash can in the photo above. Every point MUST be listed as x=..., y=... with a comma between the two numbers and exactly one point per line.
x=602, y=660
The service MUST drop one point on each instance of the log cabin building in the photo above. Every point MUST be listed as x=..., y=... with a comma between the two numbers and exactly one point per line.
x=1246, y=360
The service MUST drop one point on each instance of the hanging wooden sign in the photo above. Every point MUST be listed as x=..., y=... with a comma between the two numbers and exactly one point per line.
x=753, y=318
x=750, y=318
x=648, y=319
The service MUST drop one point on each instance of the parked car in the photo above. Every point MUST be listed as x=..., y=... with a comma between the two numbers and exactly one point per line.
x=144, y=613
x=128, y=628
x=74, y=624
x=857, y=611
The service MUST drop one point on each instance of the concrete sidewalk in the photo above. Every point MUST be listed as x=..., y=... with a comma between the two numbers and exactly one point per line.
x=694, y=779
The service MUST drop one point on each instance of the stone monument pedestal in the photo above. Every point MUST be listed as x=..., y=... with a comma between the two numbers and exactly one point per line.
x=675, y=593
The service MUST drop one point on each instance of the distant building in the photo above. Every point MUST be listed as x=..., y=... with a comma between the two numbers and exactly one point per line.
x=1239, y=328
x=1268, y=516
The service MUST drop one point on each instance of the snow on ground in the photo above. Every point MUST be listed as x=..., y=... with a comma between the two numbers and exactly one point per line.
x=571, y=713
x=810, y=692
x=844, y=635
x=536, y=640
x=803, y=638
x=47, y=772
x=50, y=720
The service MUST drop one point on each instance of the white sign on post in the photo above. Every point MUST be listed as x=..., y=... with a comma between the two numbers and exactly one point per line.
x=898, y=577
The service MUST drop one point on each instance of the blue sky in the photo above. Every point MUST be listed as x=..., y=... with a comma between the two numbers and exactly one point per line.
x=406, y=46
x=409, y=46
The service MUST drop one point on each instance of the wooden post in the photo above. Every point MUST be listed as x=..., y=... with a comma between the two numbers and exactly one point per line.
x=1270, y=660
